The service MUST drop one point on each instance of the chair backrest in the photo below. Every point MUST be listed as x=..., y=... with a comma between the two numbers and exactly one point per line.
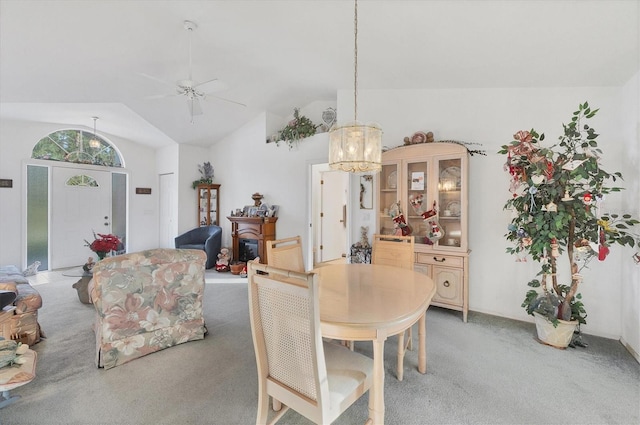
x=286, y=254
x=285, y=325
x=393, y=250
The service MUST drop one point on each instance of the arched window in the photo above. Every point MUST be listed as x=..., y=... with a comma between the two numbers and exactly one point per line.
x=82, y=180
x=77, y=146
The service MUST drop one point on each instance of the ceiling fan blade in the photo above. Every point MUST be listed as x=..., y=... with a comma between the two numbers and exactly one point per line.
x=157, y=80
x=161, y=96
x=223, y=99
x=210, y=86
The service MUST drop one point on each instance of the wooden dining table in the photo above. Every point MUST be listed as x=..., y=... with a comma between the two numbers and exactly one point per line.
x=369, y=302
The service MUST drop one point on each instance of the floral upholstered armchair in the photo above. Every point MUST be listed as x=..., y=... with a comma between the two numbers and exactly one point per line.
x=147, y=301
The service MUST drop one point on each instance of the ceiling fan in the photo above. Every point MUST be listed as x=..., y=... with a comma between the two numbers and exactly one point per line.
x=188, y=88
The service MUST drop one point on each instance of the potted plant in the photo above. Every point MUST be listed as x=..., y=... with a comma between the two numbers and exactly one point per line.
x=206, y=173
x=557, y=193
x=103, y=244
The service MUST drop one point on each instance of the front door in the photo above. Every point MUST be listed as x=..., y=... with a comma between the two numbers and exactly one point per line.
x=81, y=204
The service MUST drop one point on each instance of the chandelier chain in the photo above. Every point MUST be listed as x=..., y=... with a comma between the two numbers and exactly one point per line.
x=355, y=61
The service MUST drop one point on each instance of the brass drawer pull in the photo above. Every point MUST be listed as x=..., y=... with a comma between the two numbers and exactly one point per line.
x=440, y=261
x=446, y=284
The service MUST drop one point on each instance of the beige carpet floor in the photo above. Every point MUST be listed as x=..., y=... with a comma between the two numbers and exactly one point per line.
x=487, y=371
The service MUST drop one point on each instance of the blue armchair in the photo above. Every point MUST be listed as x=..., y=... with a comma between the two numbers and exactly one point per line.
x=206, y=238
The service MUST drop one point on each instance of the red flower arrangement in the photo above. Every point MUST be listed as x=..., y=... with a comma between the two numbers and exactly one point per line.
x=103, y=244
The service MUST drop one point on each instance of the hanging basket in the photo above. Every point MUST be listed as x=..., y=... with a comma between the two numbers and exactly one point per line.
x=559, y=336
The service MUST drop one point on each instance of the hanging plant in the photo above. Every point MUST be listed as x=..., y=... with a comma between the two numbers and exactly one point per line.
x=298, y=128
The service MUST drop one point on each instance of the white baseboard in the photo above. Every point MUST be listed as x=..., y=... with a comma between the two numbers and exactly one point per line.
x=630, y=349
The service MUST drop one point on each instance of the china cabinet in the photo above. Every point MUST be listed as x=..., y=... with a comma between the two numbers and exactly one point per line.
x=208, y=204
x=424, y=186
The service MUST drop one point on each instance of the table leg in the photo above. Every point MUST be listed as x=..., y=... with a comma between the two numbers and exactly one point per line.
x=422, y=342
x=376, y=393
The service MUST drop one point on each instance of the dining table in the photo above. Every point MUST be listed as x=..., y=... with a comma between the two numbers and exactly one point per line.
x=369, y=302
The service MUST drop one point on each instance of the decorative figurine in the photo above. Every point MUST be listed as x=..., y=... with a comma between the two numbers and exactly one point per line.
x=222, y=265
x=88, y=266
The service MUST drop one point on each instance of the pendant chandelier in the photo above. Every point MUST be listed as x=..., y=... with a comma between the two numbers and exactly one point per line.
x=94, y=142
x=356, y=147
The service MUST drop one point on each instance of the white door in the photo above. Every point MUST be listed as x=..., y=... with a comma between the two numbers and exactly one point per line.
x=167, y=221
x=333, y=215
x=76, y=211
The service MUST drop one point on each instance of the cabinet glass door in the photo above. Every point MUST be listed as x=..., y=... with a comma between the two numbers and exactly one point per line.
x=213, y=202
x=387, y=205
x=450, y=201
x=417, y=199
x=203, y=206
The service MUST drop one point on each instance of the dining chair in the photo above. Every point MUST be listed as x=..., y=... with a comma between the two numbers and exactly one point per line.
x=397, y=251
x=286, y=254
x=317, y=379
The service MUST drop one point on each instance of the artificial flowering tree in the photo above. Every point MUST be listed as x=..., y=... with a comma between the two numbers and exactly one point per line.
x=557, y=196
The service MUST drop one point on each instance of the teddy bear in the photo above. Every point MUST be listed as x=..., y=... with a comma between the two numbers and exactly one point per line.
x=222, y=265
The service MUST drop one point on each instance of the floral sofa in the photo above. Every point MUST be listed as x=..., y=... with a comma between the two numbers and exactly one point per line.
x=147, y=301
x=20, y=320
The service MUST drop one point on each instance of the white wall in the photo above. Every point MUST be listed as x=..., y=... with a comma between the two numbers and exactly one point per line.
x=244, y=164
x=189, y=157
x=17, y=139
x=490, y=117
x=630, y=125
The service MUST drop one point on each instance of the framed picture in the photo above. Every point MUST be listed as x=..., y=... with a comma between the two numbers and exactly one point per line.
x=253, y=211
x=366, y=192
x=273, y=211
x=417, y=180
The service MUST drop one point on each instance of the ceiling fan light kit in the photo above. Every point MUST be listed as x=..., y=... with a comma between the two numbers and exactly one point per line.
x=356, y=147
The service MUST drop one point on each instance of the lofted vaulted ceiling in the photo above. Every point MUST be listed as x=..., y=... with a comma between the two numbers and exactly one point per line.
x=64, y=61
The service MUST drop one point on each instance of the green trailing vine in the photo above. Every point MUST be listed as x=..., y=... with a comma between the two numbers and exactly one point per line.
x=298, y=128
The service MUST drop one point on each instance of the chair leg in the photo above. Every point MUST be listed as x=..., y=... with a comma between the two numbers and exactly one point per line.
x=263, y=407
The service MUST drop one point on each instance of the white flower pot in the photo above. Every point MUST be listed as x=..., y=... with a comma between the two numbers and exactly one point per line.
x=559, y=336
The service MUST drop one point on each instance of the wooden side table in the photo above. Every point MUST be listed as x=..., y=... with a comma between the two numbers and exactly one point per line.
x=15, y=376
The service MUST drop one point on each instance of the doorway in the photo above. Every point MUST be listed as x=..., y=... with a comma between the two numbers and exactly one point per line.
x=167, y=214
x=65, y=204
x=329, y=224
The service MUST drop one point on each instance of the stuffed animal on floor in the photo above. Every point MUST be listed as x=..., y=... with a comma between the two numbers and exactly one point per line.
x=32, y=269
x=222, y=265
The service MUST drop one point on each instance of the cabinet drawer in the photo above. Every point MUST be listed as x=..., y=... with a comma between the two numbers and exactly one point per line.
x=422, y=268
x=448, y=285
x=440, y=260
